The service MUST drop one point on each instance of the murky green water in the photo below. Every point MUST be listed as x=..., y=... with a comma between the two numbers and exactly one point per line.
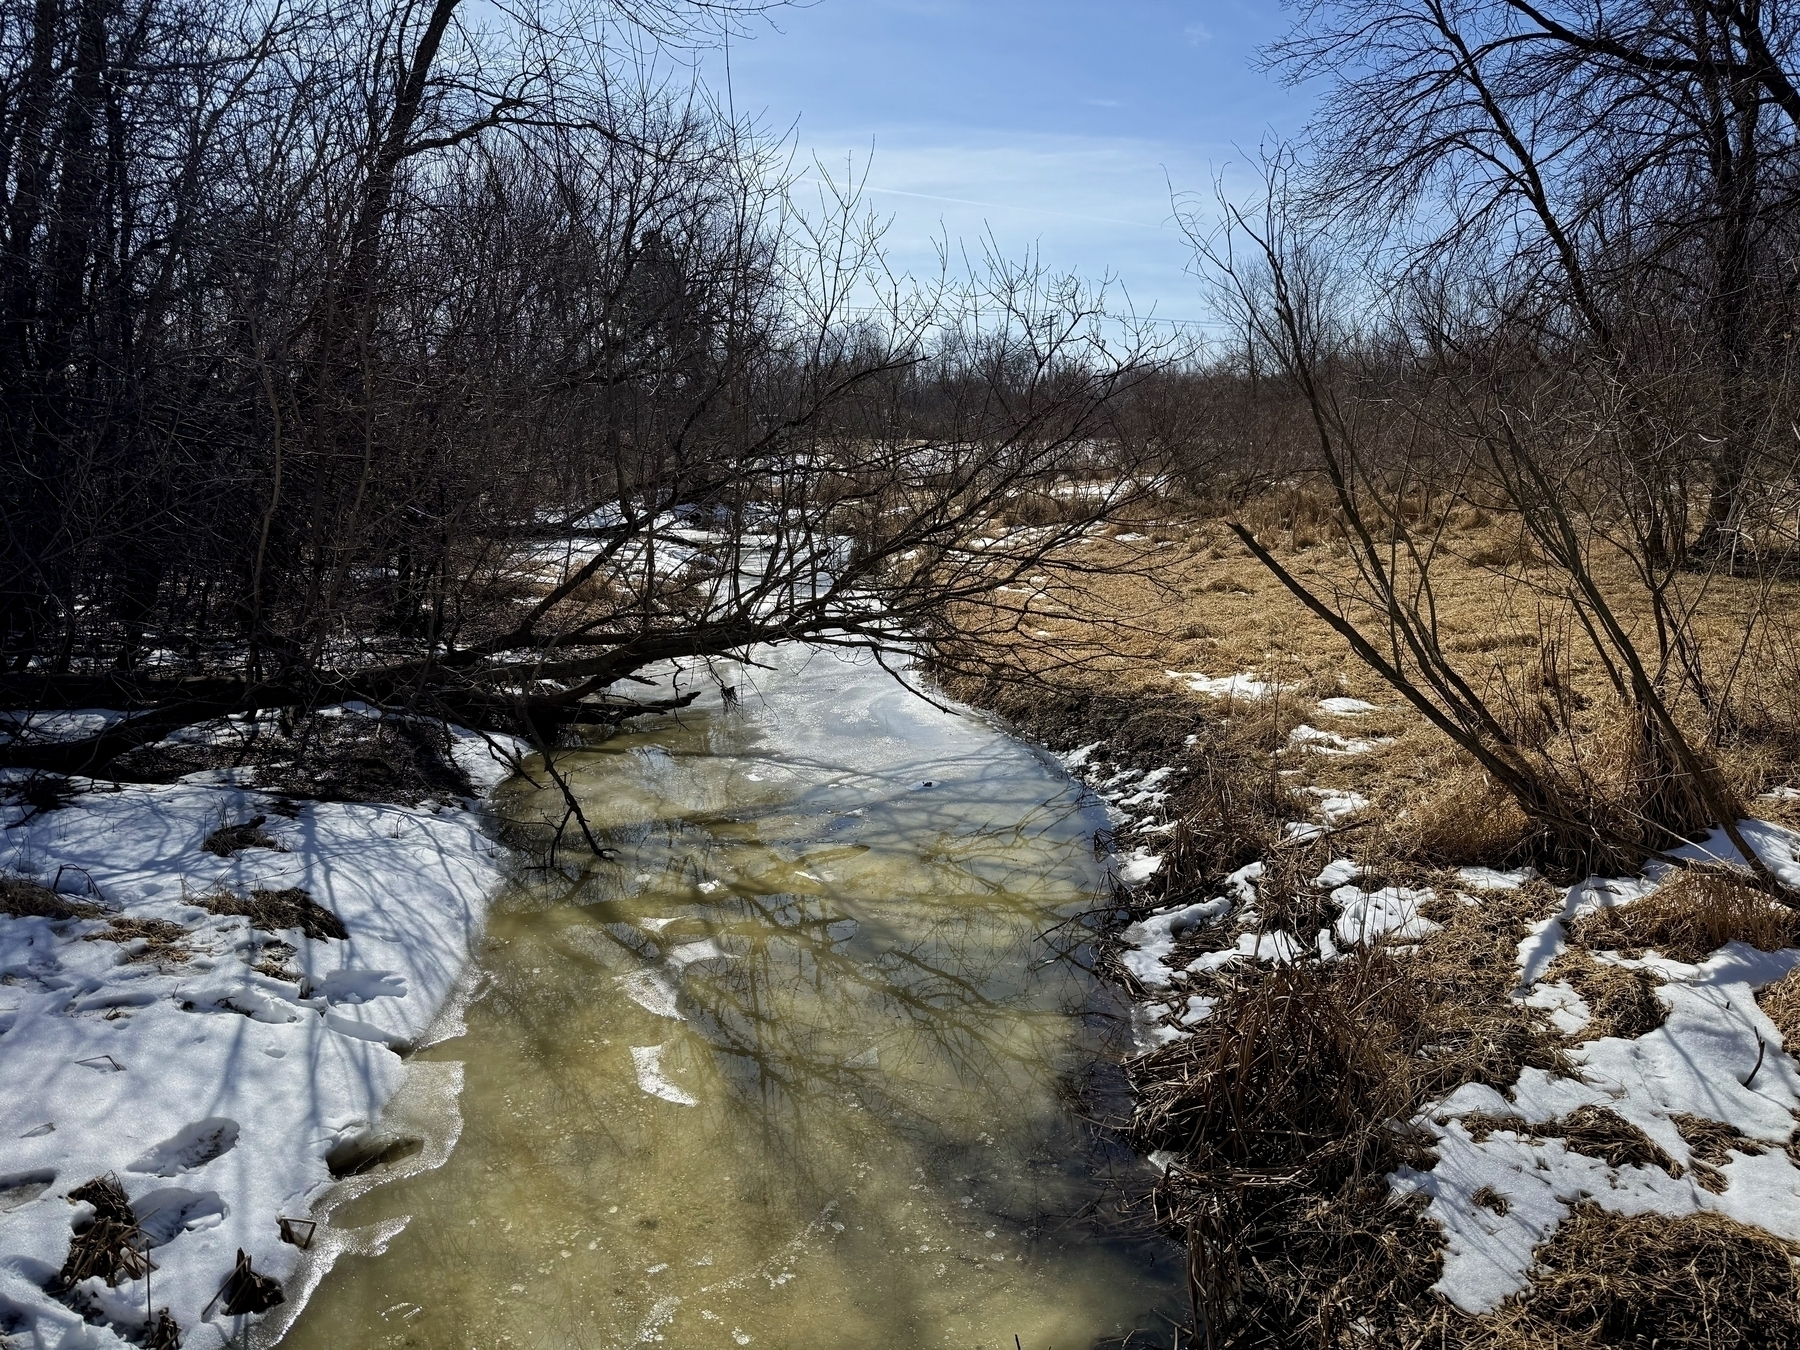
x=791, y=1070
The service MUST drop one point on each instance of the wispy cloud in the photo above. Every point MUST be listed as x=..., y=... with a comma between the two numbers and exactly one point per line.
x=1197, y=33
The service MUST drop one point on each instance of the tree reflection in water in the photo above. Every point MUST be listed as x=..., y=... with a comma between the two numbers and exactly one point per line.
x=880, y=1053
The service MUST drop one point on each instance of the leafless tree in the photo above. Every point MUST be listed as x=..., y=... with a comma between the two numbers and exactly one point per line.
x=358, y=351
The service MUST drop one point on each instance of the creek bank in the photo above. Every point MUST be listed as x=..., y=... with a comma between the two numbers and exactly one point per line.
x=206, y=990
x=1460, y=1135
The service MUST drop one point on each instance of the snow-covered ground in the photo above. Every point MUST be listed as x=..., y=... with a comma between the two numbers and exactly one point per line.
x=212, y=1072
x=1717, y=1058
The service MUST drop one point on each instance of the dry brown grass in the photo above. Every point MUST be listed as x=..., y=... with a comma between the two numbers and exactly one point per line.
x=1280, y=1106
x=228, y=839
x=1511, y=637
x=1713, y=1141
x=1622, y=1002
x=111, y=1246
x=1688, y=918
x=23, y=898
x=275, y=910
x=1703, y=1282
x=163, y=941
x=1465, y=819
x=1600, y=1133
x=1283, y=1106
x=1781, y=1001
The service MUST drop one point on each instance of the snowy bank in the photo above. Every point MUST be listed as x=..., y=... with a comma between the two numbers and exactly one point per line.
x=1711, y=1090
x=208, y=1066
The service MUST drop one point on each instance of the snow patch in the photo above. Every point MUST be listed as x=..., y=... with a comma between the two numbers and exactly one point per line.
x=214, y=1077
x=1245, y=686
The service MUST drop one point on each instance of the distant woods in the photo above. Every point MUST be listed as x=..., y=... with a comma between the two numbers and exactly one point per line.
x=325, y=328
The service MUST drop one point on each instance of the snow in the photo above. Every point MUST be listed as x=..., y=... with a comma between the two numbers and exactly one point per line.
x=647, y=1059
x=1695, y=1063
x=1305, y=737
x=1489, y=879
x=1224, y=686
x=1389, y=913
x=213, y=1091
x=1277, y=947
x=1340, y=872
x=1346, y=707
x=1337, y=805
x=1152, y=939
x=1568, y=1011
x=1078, y=758
x=1138, y=866
x=1717, y=1057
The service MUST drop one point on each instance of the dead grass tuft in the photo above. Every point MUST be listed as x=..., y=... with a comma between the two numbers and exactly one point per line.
x=1504, y=547
x=1284, y=1108
x=112, y=1245
x=1489, y=1198
x=1591, y=1130
x=1601, y=1133
x=1622, y=1001
x=1712, y=1141
x=1702, y=1282
x=1688, y=918
x=22, y=898
x=228, y=839
x=1465, y=819
x=275, y=910
x=1781, y=1001
x=1226, y=585
x=163, y=941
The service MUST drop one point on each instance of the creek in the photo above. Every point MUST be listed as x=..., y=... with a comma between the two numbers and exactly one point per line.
x=805, y=1061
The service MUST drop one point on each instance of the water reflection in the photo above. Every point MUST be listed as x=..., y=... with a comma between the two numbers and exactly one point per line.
x=788, y=1070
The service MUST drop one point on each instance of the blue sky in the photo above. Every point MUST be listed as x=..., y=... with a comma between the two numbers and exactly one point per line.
x=1053, y=124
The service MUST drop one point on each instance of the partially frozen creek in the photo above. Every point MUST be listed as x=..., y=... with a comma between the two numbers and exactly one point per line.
x=792, y=1069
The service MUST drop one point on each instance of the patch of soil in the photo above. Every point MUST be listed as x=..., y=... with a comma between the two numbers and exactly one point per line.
x=272, y=911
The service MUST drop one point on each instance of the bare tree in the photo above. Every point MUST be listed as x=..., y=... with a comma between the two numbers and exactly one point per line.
x=474, y=377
